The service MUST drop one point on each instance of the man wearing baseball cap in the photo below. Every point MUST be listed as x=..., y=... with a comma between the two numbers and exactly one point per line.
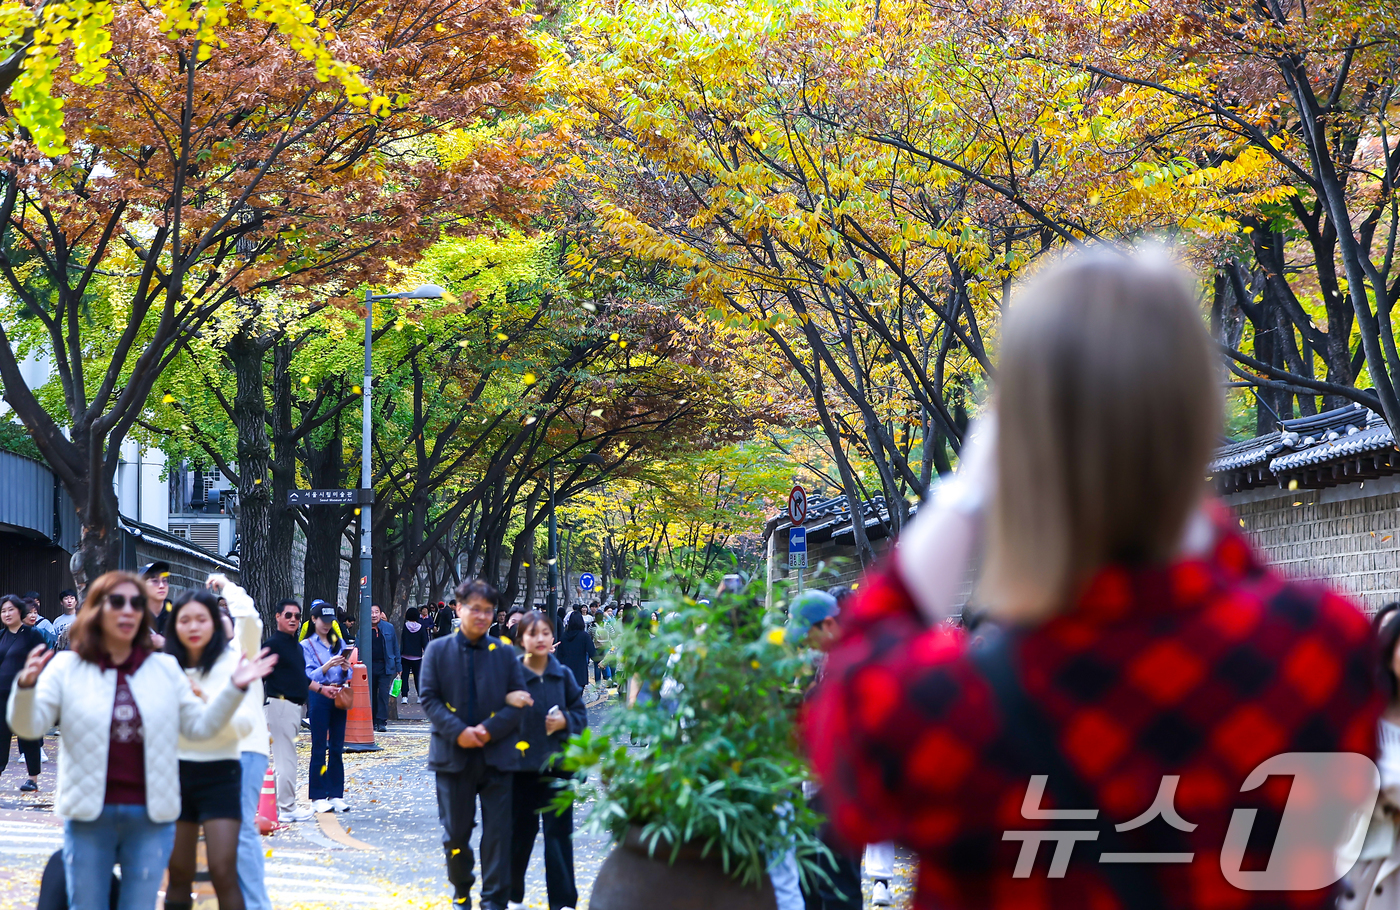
x=813, y=616
x=157, y=577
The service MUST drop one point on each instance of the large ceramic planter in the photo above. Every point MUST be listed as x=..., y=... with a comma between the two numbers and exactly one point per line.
x=631, y=880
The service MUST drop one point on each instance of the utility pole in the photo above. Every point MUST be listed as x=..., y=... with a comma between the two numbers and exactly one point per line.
x=364, y=638
x=366, y=499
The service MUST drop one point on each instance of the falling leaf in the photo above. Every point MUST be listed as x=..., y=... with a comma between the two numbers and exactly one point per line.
x=168, y=398
x=755, y=664
x=1241, y=522
x=1293, y=484
x=529, y=378
x=323, y=768
x=597, y=413
x=305, y=380
x=1385, y=538
x=502, y=336
x=356, y=389
x=614, y=336
x=522, y=745
x=491, y=647
x=776, y=635
x=1297, y=503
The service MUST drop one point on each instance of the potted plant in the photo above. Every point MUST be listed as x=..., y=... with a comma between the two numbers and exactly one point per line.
x=699, y=782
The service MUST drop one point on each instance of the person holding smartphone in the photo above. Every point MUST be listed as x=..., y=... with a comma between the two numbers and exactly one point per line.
x=328, y=671
x=557, y=712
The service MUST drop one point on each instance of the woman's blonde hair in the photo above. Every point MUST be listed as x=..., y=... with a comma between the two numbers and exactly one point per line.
x=1108, y=407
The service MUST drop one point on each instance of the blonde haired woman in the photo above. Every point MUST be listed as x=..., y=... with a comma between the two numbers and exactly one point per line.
x=1149, y=661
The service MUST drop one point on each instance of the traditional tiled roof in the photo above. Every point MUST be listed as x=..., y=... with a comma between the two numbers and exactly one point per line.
x=1336, y=446
x=829, y=518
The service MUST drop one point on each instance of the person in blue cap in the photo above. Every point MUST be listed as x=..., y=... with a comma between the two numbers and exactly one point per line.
x=812, y=616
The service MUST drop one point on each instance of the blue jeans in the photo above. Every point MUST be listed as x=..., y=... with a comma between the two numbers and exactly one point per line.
x=121, y=835
x=327, y=744
x=250, y=844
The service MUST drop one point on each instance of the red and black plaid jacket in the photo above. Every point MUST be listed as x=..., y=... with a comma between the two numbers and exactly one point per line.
x=1201, y=669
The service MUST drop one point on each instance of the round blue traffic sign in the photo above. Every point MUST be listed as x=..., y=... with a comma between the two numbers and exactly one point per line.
x=585, y=582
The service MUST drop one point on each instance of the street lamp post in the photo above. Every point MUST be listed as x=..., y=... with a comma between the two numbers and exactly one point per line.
x=592, y=458
x=423, y=292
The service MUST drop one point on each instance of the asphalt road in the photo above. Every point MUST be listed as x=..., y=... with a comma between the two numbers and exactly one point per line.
x=384, y=853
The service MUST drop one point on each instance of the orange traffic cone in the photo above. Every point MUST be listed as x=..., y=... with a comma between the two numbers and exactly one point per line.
x=359, y=726
x=267, y=805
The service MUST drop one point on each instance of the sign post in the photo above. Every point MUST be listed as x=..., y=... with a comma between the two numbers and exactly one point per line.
x=585, y=582
x=797, y=534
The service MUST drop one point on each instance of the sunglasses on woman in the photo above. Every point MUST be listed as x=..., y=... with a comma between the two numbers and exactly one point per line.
x=120, y=601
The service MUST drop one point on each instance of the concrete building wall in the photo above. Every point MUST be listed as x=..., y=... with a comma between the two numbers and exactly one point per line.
x=1348, y=536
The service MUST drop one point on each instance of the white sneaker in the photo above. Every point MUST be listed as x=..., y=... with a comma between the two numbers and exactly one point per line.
x=404, y=700
x=880, y=895
x=515, y=905
x=301, y=814
x=321, y=805
x=340, y=805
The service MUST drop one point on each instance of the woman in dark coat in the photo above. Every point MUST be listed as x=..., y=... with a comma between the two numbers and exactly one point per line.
x=576, y=648
x=556, y=713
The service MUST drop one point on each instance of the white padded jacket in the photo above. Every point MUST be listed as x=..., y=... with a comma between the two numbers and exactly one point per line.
x=78, y=696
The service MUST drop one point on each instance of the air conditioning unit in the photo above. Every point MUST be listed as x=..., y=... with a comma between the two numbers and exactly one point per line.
x=200, y=533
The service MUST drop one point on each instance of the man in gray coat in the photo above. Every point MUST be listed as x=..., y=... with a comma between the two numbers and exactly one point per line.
x=473, y=689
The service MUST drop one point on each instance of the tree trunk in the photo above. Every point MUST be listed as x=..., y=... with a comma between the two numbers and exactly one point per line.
x=254, y=455
x=98, y=551
x=283, y=468
x=325, y=525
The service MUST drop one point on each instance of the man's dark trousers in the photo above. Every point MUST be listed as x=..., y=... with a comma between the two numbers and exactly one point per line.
x=457, y=792
x=380, y=706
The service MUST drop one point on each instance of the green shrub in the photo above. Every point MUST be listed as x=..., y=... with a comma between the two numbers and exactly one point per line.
x=720, y=768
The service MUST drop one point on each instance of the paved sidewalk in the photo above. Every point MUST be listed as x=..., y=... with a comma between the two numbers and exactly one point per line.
x=384, y=853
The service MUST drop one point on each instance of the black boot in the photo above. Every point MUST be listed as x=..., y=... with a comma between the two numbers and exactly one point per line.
x=459, y=873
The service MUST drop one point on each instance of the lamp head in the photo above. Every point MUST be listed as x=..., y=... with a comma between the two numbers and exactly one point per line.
x=422, y=292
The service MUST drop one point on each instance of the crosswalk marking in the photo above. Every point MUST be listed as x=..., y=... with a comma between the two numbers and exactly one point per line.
x=29, y=839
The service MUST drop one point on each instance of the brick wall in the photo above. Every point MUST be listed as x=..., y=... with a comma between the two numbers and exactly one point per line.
x=1348, y=536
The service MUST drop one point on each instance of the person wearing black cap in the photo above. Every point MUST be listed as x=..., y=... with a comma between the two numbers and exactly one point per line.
x=328, y=667
x=157, y=576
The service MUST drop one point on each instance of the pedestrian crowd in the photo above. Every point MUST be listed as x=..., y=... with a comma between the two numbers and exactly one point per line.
x=1123, y=645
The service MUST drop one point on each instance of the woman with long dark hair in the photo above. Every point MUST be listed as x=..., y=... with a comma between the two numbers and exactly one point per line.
x=122, y=709
x=576, y=647
x=555, y=713
x=328, y=669
x=211, y=770
x=1149, y=660
x=17, y=639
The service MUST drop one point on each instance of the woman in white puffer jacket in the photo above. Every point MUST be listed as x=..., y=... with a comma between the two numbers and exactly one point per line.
x=211, y=773
x=121, y=708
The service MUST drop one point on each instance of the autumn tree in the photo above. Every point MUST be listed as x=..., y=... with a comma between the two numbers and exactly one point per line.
x=214, y=177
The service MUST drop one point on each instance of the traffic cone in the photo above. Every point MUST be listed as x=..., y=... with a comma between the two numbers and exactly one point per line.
x=267, y=805
x=359, y=726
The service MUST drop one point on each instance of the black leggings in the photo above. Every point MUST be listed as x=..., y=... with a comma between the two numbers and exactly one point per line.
x=29, y=748
x=412, y=666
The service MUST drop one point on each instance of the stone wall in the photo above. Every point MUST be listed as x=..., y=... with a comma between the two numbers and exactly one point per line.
x=1348, y=536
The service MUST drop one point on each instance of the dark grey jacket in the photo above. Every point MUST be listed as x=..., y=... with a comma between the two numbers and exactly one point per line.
x=444, y=695
x=555, y=687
